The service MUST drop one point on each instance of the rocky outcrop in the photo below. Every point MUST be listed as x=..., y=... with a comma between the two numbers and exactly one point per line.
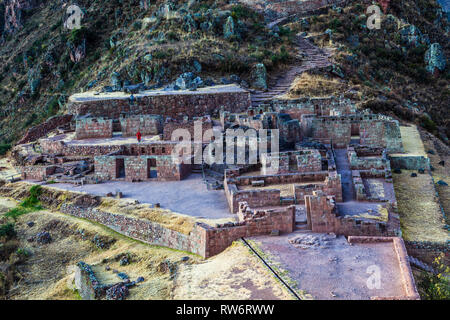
x=411, y=36
x=259, y=77
x=435, y=59
x=77, y=52
x=228, y=28
x=13, y=13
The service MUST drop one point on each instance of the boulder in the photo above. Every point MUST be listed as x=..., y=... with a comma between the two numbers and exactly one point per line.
x=43, y=237
x=116, y=82
x=259, y=76
x=229, y=28
x=435, y=59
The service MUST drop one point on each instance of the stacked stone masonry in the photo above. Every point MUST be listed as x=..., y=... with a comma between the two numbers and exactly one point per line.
x=93, y=128
x=176, y=106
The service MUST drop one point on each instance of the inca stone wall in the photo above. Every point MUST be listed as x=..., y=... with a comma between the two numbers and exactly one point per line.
x=379, y=162
x=93, y=128
x=308, y=160
x=41, y=130
x=203, y=239
x=51, y=146
x=381, y=133
x=332, y=130
x=330, y=187
x=323, y=217
x=175, y=106
x=38, y=173
x=409, y=162
x=138, y=168
x=267, y=197
x=145, y=124
x=172, y=124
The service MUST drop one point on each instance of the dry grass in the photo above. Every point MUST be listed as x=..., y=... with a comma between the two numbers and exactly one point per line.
x=412, y=143
x=382, y=214
x=168, y=219
x=420, y=215
x=314, y=86
x=48, y=272
x=441, y=152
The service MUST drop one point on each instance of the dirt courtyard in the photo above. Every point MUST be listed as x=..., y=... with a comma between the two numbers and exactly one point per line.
x=189, y=196
x=328, y=267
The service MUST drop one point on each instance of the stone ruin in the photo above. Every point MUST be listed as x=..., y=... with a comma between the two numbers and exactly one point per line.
x=333, y=159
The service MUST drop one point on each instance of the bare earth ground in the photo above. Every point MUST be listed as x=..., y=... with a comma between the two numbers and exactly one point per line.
x=48, y=272
x=233, y=274
x=333, y=269
x=189, y=196
x=420, y=215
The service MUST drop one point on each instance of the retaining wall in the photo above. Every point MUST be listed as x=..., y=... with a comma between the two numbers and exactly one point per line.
x=203, y=239
x=178, y=106
x=41, y=130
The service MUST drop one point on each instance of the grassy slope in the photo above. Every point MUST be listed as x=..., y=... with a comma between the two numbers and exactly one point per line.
x=40, y=51
x=387, y=79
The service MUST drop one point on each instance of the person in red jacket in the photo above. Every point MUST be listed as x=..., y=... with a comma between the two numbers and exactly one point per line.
x=138, y=136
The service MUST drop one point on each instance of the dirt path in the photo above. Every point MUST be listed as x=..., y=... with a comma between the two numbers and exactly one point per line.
x=343, y=168
x=314, y=58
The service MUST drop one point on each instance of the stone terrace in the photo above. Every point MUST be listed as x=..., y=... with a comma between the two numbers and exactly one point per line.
x=175, y=104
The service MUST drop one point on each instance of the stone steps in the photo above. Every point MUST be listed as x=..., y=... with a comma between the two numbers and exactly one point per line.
x=302, y=228
x=313, y=58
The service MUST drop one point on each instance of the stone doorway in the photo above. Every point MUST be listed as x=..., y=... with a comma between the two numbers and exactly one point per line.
x=120, y=168
x=151, y=169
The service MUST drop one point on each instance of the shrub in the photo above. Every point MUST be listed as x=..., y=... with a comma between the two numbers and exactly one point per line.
x=240, y=11
x=436, y=286
x=29, y=204
x=7, y=230
x=77, y=35
x=335, y=24
x=427, y=123
x=23, y=252
x=4, y=147
x=32, y=200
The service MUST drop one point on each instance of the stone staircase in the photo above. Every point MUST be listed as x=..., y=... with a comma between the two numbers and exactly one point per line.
x=313, y=58
x=197, y=168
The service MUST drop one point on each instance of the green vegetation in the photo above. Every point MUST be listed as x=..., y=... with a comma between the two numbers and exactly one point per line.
x=436, y=286
x=4, y=147
x=7, y=230
x=29, y=204
x=23, y=252
x=390, y=62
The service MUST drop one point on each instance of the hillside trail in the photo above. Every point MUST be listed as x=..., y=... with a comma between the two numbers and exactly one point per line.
x=312, y=58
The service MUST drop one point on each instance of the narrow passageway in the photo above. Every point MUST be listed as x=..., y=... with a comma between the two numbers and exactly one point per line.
x=343, y=168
